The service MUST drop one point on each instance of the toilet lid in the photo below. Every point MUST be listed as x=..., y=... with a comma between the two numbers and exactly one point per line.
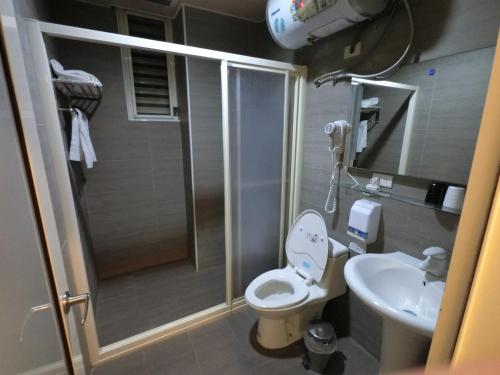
x=307, y=244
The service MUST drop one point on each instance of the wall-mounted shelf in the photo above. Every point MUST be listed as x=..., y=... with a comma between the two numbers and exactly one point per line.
x=401, y=198
x=370, y=109
x=85, y=96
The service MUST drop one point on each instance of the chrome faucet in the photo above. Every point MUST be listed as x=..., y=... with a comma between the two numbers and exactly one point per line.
x=436, y=262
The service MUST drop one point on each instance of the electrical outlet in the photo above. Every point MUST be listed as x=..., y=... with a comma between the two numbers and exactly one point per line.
x=385, y=180
x=356, y=52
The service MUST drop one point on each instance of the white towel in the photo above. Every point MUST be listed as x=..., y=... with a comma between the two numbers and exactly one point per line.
x=75, y=75
x=369, y=102
x=362, y=136
x=80, y=139
x=74, y=148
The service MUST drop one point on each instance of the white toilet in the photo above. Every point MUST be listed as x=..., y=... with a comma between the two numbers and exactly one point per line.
x=288, y=299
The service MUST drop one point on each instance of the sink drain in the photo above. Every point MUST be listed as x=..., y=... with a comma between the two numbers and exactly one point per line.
x=409, y=312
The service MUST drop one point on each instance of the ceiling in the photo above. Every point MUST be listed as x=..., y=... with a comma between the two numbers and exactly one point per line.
x=253, y=10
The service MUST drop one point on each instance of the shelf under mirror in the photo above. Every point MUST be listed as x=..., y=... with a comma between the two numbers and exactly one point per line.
x=400, y=198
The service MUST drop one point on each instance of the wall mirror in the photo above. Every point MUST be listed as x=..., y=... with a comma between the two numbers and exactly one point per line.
x=425, y=121
x=385, y=114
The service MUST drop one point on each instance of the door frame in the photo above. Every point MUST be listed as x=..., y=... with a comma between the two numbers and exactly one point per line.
x=29, y=242
x=15, y=63
x=471, y=230
x=37, y=32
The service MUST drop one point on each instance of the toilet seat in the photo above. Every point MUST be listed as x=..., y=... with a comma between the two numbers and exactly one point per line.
x=276, y=289
x=307, y=245
x=307, y=252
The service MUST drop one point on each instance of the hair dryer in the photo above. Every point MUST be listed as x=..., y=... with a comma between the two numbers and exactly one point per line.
x=338, y=131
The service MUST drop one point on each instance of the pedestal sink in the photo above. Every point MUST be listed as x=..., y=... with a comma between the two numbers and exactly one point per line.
x=407, y=299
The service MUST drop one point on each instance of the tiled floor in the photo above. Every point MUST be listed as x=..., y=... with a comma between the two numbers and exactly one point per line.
x=228, y=346
x=139, y=301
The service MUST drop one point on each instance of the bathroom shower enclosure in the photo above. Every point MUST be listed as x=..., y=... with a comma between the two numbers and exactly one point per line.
x=261, y=122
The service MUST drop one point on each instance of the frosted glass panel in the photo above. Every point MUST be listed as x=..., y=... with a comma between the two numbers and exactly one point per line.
x=256, y=117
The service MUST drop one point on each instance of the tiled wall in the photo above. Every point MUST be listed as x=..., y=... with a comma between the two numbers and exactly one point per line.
x=208, y=168
x=135, y=192
x=403, y=227
x=183, y=111
x=442, y=29
x=219, y=32
x=448, y=113
x=210, y=30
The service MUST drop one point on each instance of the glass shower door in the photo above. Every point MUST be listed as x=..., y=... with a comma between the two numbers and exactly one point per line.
x=257, y=136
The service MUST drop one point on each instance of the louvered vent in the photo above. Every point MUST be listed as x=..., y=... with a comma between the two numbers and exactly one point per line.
x=150, y=69
x=162, y=2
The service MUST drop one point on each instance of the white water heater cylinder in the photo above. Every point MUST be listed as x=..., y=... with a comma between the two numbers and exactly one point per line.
x=296, y=23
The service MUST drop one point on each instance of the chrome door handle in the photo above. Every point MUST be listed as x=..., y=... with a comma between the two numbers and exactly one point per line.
x=68, y=301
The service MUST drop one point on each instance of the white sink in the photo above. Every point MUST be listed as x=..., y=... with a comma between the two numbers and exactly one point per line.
x=408, y=301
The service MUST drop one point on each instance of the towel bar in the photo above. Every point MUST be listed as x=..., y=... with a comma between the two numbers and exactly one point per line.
x=65, y=109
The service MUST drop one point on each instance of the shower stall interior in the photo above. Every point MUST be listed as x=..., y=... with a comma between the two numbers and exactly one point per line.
x=177, y=216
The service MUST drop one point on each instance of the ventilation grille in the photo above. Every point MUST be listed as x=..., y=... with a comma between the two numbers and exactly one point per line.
x=162, y=2
x=150, y=69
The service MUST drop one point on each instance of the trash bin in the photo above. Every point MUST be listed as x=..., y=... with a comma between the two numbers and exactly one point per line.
x=321, y=343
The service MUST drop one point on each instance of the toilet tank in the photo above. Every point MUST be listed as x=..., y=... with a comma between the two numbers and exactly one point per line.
x=333, y=279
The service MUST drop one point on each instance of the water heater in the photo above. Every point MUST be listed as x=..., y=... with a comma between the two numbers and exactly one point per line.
x=296, y=23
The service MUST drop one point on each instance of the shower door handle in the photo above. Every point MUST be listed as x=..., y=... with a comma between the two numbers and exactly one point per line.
x=68, y=301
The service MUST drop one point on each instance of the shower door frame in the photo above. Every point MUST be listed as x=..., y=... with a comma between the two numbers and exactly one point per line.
x=292, y=157
x=288, y=154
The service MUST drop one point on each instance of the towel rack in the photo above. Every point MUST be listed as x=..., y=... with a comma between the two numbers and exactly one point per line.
x=65, y=109
x=85, y=96
x=370, y=109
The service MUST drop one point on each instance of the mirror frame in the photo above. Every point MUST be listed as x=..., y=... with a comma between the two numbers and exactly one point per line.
x=357, y=84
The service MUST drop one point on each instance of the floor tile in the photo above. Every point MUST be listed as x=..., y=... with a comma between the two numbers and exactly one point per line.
x=130, y=304
x=131, y=364
x=174, y=356
x=226, y=346
x=229, y=346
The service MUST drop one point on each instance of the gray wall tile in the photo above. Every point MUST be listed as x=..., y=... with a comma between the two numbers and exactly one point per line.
x=209, y=30
x=448, y=114
x=138, y=181
x=119, y=175
x=445, y=33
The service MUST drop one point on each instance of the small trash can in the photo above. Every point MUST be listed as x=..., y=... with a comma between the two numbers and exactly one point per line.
x=321, y=343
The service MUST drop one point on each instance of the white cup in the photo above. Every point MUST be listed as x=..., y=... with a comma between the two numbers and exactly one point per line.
x=454, y=197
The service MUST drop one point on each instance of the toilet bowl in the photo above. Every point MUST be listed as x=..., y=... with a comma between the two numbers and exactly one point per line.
x=288, y=299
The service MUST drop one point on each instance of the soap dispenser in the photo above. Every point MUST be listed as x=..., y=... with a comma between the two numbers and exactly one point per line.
x=363, y=224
